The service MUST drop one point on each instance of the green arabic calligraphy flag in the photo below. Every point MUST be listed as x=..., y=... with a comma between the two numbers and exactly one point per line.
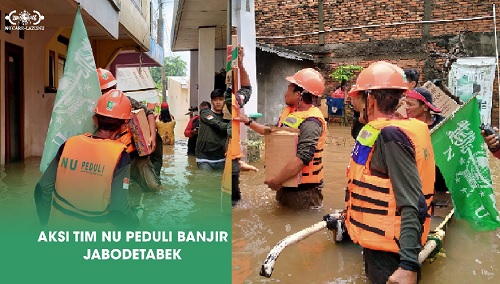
x=77, y=94
x=461, y=156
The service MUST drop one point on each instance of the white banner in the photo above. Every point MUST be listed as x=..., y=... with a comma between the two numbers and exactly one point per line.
x=474, y=75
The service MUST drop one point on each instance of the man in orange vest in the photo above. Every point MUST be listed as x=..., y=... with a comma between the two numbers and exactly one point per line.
x=304, y=87
x=87, y=182
x=145, y=170
x=390, y=180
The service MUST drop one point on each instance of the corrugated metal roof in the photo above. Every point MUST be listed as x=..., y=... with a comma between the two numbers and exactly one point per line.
x=285, y=53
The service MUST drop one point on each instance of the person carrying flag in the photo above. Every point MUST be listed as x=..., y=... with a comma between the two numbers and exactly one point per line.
x=88, y=180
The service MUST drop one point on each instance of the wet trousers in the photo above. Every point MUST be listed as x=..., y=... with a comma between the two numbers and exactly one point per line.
x=142, y=171
x=380, y=265
x=309, y=197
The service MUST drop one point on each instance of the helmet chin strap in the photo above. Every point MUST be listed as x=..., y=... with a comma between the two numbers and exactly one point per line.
x=365, y=109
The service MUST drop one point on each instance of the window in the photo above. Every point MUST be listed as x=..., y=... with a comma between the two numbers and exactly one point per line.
x=51, y=88
x=61, y=61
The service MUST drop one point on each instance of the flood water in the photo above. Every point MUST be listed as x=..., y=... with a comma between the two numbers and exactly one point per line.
x=259, y=224
x=190, y=195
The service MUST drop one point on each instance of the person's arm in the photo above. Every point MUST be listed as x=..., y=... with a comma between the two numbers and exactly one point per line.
x=152, y=131
x=492, y=143
x=255, y=126
x=45, y=188
x=310, y=131
x=120, y=213
x=396, y=158
x=150, y=115
x=210, y=119
x=189, y=127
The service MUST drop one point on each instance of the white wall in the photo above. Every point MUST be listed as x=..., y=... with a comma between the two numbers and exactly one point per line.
x=244, y=20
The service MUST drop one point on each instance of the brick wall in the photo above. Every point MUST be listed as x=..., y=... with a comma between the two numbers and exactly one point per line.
x=356, y=32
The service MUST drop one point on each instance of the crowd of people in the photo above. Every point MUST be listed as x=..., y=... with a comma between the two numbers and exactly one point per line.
x=391, y=175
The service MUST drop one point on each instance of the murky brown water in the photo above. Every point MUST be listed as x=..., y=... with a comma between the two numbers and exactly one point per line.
x=259, y=224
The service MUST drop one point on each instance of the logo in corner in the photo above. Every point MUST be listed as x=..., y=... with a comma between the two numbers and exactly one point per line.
x=24, y=21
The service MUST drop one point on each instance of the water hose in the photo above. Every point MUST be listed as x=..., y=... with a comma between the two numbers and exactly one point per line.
x=430, y=249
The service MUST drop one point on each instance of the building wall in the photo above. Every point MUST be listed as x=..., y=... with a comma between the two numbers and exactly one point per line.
x=271, y=73
x=178, y=101
x=411, y=45
x=136, y=21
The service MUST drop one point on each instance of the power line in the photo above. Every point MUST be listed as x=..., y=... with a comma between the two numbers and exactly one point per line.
x=374, y=26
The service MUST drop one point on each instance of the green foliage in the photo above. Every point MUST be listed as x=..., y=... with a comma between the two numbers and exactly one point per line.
x=345, y=73
x=174, y=66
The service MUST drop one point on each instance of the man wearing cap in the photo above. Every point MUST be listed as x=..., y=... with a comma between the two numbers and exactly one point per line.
x=304, y=87
x=191, y=131
x=212, y=135
x=390, y=179
x=87, y=183
x=419, y=105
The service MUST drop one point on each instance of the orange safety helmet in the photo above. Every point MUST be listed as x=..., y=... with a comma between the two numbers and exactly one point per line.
x=353, y=91
x=309, y=79
x=106, y=79
x=381, y=75
x=114, y=104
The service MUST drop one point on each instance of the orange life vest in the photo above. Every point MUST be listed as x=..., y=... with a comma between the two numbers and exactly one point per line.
x=313, y=172
x=125, y=137
x=284, y=113
x=84, y=178
x=373, y=219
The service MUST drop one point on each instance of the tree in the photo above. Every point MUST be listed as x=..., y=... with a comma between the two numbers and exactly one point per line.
x=174, y=66
x=345, y=73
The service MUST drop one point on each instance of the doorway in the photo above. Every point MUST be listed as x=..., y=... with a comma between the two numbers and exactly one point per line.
x=14, y=101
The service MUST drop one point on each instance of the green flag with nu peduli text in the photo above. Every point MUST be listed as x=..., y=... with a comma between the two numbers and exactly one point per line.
x=461, y=156
x=77, y=94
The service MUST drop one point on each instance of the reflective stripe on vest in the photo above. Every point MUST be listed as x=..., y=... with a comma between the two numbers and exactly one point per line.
x=284, y=113
x=371, y=204
x=313, y=172
x=84, y=176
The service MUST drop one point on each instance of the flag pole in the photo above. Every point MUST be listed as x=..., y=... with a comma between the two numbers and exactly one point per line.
x=496, y=52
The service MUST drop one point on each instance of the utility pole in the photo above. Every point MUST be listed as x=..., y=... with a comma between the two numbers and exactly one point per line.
x=163, y=79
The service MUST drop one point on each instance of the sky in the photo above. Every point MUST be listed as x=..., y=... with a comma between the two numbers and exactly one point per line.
x=168, y=8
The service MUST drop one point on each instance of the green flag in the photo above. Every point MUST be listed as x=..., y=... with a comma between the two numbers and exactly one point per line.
x=461, y=156
x=77, y=94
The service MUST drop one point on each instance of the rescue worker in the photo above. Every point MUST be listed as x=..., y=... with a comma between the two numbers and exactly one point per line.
x=390, y=180
x=87, y=182
x=145, y=170
x=304, y=87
